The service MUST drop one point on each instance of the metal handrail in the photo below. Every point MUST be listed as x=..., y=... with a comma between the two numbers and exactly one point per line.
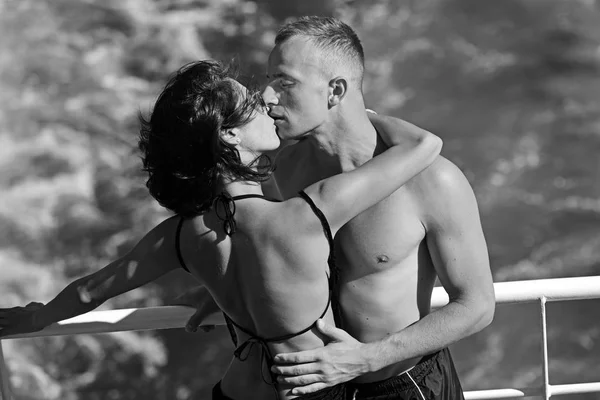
x=541, y=291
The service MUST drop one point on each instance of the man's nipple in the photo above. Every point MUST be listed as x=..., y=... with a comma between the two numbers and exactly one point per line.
x=382, y=258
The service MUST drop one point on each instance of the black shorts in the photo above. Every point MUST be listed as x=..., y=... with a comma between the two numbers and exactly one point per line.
x=335, y=393
x=433, y=378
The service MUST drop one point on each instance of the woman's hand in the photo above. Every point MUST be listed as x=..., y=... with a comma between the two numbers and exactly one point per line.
x=199, y=298
x=17, y=320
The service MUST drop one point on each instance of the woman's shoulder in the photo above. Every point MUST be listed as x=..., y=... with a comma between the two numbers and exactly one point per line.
x=291, y=220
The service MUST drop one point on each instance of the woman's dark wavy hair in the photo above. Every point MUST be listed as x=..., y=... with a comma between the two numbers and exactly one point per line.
x=180, y=143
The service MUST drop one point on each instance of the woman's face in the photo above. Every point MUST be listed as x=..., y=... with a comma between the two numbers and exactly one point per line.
x=259, y=135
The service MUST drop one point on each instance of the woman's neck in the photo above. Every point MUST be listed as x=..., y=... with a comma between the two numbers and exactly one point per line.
x=238, y=188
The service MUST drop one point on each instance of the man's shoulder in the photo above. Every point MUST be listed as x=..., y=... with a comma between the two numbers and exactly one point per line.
x=441, y=176
x=441, y=186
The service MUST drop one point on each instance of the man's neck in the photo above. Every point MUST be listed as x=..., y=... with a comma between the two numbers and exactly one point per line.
x=343, y=145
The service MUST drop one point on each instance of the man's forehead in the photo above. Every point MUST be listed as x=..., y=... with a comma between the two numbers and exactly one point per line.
x=294, y=56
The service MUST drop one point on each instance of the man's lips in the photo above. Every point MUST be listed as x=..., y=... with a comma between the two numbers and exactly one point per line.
x=275, y=115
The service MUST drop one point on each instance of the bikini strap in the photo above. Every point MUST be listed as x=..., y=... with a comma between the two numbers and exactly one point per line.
x=331, y=261
x=177, y=244
x=255, y=196
x=243, y=351
x=224, y=205
x=327, y=230
x=230, y=327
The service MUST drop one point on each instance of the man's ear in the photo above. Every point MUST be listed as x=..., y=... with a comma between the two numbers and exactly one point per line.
x=338, y=88
x=231, y=136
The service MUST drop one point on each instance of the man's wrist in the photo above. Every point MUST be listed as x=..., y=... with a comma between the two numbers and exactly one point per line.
x=371, y=355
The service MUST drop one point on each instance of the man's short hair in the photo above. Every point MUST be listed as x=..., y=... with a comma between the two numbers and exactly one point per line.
x=331, y=35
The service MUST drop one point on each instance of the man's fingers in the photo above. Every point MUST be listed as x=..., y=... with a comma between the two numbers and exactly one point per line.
x=302, y=357
x=315, y=387
x=296, y=370
x=302, y=380
x=331, y=331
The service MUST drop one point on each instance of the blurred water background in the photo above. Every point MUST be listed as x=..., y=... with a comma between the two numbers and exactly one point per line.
x=512, y=86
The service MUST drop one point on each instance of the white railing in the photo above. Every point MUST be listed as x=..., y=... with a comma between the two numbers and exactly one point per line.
x=540, y=291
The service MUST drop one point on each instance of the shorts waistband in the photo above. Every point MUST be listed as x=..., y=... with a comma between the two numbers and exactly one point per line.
x=399, y=382
x=337, y=392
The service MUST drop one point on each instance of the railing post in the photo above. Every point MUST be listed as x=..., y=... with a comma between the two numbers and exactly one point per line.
x=5, y=388
x=546, y=388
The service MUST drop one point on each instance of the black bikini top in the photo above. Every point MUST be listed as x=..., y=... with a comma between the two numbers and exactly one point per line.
x=225, y=210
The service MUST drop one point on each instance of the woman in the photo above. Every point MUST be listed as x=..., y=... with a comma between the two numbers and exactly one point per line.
x=268, y=264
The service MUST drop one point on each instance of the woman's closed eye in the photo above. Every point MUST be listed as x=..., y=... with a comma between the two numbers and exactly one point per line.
x=263, y=107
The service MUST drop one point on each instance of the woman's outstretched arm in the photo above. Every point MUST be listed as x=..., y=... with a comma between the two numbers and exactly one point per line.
x=153, y=256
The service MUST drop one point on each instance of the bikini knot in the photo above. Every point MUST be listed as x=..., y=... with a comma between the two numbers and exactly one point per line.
x=225, y=209
x=243, y=352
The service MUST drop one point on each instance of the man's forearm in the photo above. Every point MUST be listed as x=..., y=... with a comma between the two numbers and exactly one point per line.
x=434, y=332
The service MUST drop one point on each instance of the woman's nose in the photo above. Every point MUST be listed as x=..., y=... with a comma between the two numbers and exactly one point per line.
x=269, y=96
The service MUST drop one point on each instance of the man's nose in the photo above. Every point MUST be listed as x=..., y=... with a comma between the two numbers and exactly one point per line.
x=269, y=96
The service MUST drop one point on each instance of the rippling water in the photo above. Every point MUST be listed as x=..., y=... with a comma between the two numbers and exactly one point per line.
x=513, y=87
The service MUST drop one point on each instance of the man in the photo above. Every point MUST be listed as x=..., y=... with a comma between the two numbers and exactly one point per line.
x=392, y=346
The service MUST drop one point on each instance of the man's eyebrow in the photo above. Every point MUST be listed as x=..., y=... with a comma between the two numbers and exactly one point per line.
x=279, y=75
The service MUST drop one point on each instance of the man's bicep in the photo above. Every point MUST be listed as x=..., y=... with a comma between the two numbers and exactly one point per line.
x=456, y=241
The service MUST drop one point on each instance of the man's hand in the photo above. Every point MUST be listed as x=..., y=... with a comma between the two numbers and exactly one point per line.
x=199, y=298
x=17, y=320
x=341, y=360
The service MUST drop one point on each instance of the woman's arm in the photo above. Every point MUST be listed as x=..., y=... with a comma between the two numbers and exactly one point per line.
x=396, y=131
x=342, y=197
x=152, y=257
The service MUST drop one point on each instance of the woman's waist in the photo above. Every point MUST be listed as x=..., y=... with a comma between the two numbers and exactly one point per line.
x=252, y=349
x=241, y=382
x=252, y=380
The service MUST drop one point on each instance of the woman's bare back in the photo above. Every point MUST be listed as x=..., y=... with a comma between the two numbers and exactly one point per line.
x=270, y=277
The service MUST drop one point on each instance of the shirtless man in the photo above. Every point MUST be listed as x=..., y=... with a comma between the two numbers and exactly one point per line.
x=389, y=256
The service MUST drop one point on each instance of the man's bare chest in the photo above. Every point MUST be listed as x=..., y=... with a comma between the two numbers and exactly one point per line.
x=384, y=236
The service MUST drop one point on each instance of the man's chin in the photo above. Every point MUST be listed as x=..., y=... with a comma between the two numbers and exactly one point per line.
x=282, y=133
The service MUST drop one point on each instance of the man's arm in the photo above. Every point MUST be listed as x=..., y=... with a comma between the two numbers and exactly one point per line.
x=457, y=245
x=152, y=257
x=459, y=252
